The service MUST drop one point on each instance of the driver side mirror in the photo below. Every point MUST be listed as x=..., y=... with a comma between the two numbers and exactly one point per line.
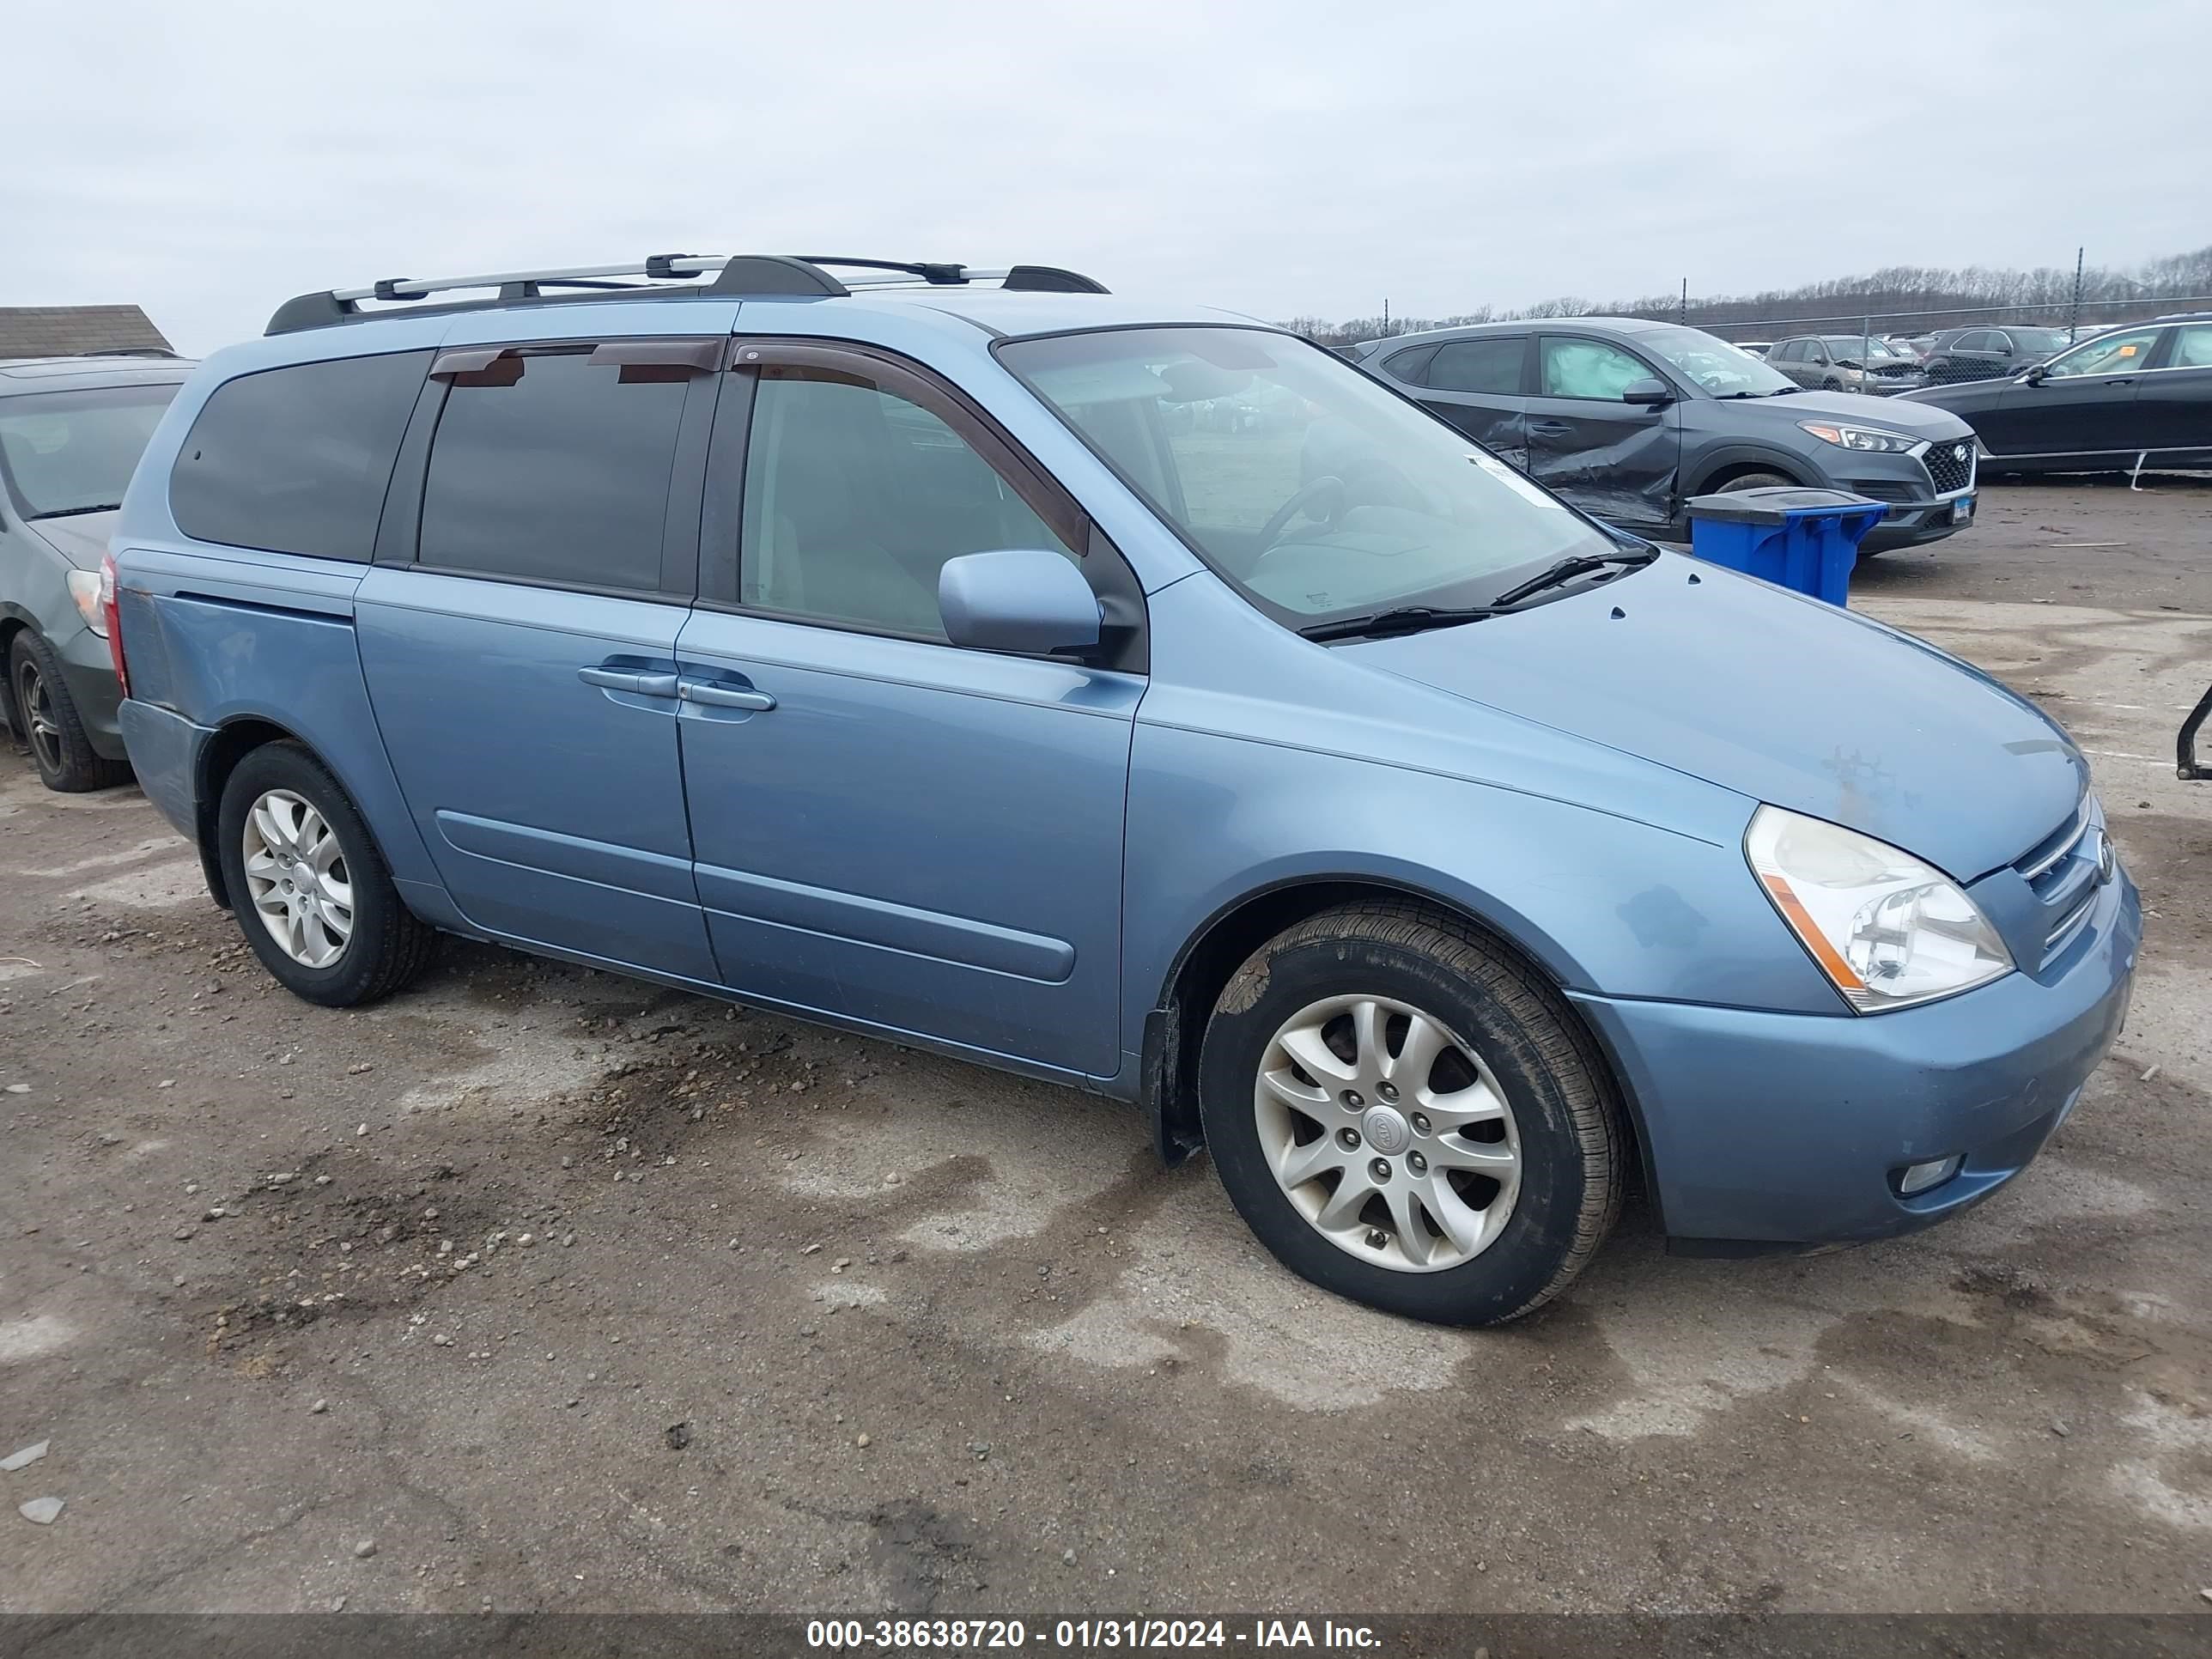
x=1025, y=600
x=1648, y=392
x=2037, y=374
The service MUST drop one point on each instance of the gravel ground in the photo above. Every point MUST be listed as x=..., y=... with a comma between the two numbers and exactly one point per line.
x=540, y=1289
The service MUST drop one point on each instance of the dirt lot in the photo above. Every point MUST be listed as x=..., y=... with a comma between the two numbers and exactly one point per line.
x=540, y=1289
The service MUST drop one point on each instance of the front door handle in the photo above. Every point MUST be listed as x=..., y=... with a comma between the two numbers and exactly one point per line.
x=643, y=682
x=713, y=694
x=1550, y=429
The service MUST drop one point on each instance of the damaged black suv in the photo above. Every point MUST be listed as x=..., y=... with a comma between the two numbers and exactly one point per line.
x=1629, y=419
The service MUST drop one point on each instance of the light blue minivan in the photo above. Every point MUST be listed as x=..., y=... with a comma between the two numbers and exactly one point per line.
x=1134, y=696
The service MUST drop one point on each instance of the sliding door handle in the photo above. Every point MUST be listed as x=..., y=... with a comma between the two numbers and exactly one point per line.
x=643, y=682
x=712, y=693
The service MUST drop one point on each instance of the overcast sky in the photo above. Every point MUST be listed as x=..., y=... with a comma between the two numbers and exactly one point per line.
x=207, y=159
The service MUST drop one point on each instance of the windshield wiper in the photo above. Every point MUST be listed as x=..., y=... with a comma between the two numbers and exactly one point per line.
x=1399, y=619
x=71, y=512
x=1567, y=569
x=1784, y=391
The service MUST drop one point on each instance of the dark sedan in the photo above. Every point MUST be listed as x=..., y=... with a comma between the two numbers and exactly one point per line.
x=1987, y=354
x=2139, y=395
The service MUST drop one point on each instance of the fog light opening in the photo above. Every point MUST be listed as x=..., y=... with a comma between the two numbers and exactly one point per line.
x=1917, y=1178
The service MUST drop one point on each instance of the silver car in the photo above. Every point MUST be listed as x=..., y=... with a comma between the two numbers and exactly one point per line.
x=1847, y=362
x=72, y=431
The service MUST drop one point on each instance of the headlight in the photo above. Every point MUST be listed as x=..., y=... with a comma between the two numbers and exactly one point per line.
x=84, y=588
x=1888, y=930
x=1859, y=437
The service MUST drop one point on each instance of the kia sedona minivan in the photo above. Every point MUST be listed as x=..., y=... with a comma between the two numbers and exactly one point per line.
x=1131, y=696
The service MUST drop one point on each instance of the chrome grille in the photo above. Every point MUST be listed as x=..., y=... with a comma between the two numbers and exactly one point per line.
x=2064, y=870
x=2075, y=920
x=2054, y=849
x=1950, y=464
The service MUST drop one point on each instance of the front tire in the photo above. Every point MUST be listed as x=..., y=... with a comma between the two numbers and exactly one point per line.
x=312, y=892
x=1406, y=1114
x=47, y=719
x=1755, y=481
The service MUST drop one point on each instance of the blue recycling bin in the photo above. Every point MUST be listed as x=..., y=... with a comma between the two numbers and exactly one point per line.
x=1806, y=540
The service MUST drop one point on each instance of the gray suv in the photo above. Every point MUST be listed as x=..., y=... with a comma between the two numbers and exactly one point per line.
x=1629, y=419
x=71, y=430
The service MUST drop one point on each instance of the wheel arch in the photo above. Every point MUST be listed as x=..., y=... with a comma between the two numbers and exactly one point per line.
x=12, y=623
x=1176, y=1027
x=1725, y=468
x=233, y=740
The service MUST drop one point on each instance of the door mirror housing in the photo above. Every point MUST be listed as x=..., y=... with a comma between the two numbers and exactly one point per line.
x=2037, y=374
x=1025, y=600
x=1650, y=393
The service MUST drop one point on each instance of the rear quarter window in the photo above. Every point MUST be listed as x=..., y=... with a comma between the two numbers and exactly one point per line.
x=296, y=460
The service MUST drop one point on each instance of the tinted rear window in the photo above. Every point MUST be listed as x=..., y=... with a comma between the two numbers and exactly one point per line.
x=1410, y=366
x=562, y=475
x=1491, y=366
x=296, y=460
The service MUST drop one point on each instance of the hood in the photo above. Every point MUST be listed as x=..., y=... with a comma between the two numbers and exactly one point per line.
x=81, y=537
x=1956, y=395
x=1919, y=420
x=1776, y=696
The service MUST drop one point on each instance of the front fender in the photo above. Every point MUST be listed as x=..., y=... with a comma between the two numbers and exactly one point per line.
x=1603, y=904
x=1699, y=470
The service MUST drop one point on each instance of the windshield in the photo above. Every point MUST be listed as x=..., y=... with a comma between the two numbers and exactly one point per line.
x=2039, y=342
x=1303, y=481
x=72, y=451
x=1713, y=363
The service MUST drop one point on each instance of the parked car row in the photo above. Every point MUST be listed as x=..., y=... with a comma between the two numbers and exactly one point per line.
x=1848, y=363
x=921, y=661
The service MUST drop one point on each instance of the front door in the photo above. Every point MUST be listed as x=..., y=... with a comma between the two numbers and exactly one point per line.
x=520, y=645
x=1615, y=460
x=888, y=828
x=2084, y=404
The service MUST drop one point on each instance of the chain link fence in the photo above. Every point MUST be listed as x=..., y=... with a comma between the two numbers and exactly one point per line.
x=1884, y=352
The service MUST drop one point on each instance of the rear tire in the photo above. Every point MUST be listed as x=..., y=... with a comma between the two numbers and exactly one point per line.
x=317, y=878
x=47, y=720
x=1448, y=1083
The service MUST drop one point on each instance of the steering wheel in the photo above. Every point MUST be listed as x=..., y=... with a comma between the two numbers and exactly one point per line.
x=1329, y=486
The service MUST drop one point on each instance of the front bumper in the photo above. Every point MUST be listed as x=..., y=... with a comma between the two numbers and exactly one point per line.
x=89, y=672
x=1911, y=523
x=1785, y=1130
x=165, y=752
x=1921, y=509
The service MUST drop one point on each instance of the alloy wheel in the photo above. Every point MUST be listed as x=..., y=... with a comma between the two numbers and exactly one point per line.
x=296, y=878
x=36, y=703
x=1387, y=1132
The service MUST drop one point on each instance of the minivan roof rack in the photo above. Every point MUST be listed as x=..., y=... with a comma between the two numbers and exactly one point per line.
x=749, y=276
